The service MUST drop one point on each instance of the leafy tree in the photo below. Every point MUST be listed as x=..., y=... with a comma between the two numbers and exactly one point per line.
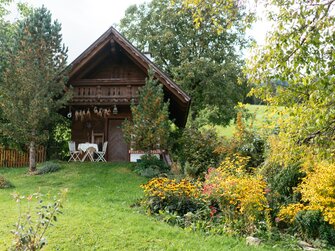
x=4, y=9
x=206, y=63
x=296, y=69
x=212, y=11
x=7, y=40
x=150, y=125
x=33, y=80
x=5, y=28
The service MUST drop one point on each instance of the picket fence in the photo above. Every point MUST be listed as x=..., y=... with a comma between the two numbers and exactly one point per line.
x=16, y=158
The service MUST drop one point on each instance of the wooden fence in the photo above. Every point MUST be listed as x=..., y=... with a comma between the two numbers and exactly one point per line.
x=15, y=158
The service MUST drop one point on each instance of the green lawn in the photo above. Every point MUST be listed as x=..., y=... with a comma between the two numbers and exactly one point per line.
x=98, y=213
x=260, y=112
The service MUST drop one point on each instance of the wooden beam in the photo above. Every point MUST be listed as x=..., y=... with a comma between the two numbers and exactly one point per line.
x=102, y=82
x=80, y=65
x=100, y=58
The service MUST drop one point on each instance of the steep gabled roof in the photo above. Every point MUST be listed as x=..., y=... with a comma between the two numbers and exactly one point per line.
x=181, y=101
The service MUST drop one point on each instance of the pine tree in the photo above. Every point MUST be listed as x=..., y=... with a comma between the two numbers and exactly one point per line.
x=34, y=80
x=150, y=125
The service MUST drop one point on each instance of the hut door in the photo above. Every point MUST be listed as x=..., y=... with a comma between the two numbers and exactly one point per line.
x=117, y=146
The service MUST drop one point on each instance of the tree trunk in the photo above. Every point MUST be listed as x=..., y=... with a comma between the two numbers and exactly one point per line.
x=32, y=157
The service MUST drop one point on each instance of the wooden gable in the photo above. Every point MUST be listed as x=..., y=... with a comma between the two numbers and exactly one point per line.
x=110, y=72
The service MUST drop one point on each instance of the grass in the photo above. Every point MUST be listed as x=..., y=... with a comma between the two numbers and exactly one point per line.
x=260, y=112
x=98, y=213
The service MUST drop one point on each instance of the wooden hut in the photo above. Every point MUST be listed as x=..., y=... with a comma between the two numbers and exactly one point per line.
x=105, y=80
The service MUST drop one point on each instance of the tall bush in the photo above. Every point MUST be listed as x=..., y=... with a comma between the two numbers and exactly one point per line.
x=317, y=195
x=60, y=135
x=239, y=195
x=245, y=141
x=197, y=151
x=150, y=125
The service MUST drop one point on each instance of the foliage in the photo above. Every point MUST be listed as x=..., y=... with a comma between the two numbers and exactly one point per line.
x=240, y=196
x=48, y=167
x=295, y=68
x=317, y=189
x=196, y=152
x=285, y=179
x=3, y=9
x=60, y=135
x=205, y=63
x=33, y=224
x=317, y=194
x=230, y=200
x=4, y=183
x=309, y=224
x=150, y=126
x=259, y=115
x=245, y=141
x=211, y=11
x=6, y=30
x=214, y=87
x=33, y=82
x=312, y=226
x=175, y=197
x=282, y=182
x=150, y=166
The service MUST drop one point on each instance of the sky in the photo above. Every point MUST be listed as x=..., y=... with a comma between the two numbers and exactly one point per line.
x=84, y=21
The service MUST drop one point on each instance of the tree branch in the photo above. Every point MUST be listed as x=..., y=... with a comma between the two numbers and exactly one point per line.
x=321, y=132
x=313, y=27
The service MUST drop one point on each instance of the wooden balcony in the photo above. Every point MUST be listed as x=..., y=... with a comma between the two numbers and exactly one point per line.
x=108, y=93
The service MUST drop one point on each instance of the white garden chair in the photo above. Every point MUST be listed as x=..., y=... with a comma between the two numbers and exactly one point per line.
x=74, y=154
x=101, y=154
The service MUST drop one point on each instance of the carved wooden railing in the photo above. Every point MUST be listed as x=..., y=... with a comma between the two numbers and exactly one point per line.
x=105, y=91
x=85, y=91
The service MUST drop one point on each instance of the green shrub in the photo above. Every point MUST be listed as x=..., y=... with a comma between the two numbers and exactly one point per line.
x=246, y=142
x=316, y=203
x=150, y=166
x=197, y=151
x=312, y=226
x=286, y=179
x=57, y=145
x=282, y=182
x=171, y=196
x=4, y=183
x=48, y=167
x=191, y=170
x=176, y=202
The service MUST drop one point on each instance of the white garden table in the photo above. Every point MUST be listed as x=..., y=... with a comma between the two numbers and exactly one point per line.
x=89, y=149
